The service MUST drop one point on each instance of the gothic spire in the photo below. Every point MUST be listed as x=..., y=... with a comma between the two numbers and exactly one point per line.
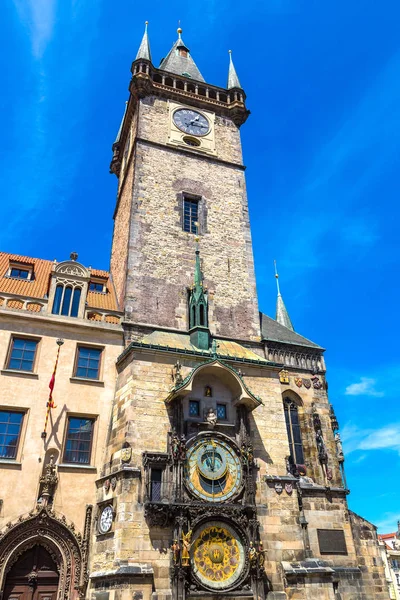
x=144, y=48
x=180, y=62
x=282, y=315
x=233, y=79
x=198, y=308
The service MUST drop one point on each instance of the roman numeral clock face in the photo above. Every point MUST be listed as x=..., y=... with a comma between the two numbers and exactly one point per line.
x=191, y=121
x=213, y=470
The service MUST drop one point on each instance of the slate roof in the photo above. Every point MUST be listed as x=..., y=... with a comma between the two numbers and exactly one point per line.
x=180, y=65
x=39, y=286
x=275, y=332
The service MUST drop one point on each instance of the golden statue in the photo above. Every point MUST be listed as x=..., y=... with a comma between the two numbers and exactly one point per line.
x=186, y=545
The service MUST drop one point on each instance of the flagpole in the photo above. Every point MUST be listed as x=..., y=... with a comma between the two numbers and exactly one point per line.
x=50, y=402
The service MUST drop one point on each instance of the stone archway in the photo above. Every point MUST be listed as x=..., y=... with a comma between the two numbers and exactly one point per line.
x=67, y=549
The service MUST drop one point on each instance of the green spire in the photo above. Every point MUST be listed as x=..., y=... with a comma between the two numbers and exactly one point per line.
x=198, y=308
x=233, y=79
x=144, y=48
x=282, y=315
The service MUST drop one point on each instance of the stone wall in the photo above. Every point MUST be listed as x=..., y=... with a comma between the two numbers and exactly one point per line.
x=161, y=255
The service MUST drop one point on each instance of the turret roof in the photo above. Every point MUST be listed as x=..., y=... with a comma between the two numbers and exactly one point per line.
x=176, y=62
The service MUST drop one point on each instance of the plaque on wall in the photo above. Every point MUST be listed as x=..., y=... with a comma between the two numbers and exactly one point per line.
x=331, y=541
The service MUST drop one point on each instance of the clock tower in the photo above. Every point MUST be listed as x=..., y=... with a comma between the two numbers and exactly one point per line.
x=178, y=160
x=223, y=471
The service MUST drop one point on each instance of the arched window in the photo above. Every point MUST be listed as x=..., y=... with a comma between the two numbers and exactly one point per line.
x=66, y=301
x=75, y=302
x=201, y=314
x=57, y=299
x=293, y=431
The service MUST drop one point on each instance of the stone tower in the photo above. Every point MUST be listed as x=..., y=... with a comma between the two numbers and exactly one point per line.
x=178, y=159
x=222, y=475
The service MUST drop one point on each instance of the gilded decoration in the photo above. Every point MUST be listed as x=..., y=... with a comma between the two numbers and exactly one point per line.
x=218, y=555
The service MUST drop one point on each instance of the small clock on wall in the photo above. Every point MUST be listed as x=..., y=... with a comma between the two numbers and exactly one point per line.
x=106, y=519
x=191, y=128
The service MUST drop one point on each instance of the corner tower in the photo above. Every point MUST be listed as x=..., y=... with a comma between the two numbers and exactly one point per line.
x=178, y=159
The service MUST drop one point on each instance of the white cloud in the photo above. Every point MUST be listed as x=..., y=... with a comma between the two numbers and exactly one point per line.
x=39, y=17
x=385, y=438
x=388, y=522
x=366, y=387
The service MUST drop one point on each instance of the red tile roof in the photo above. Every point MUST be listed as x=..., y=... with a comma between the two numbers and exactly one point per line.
x=39, y=286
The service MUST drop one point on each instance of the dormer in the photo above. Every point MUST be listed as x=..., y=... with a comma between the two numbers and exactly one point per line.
x=68, y=288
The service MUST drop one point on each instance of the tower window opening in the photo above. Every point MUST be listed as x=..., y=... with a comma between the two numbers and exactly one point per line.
x=155, y=485
x=293, y=432
x=183, y=52
x=190, y=215
x=201, y=319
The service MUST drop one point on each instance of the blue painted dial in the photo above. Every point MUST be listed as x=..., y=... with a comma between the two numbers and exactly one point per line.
x=191, y=121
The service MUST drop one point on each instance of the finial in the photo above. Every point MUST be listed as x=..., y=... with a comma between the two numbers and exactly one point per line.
x=277, y=277
x=146, y=23
x=179, y=30
x=73, y=256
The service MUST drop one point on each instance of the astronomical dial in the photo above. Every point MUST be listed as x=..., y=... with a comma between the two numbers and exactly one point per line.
x=106, y=519
x=213, y=469
x=191, y=121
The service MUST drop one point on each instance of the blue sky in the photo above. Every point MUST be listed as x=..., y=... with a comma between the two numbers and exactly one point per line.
x=322, y=153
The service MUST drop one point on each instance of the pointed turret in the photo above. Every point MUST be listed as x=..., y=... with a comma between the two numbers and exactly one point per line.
x=282, y=315
x=233, y=79
x=144, y=48
x=198, y=308
x=115, y=163
x=180, y=62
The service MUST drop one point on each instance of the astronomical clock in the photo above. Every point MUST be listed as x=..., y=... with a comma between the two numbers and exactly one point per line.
x=203, y=489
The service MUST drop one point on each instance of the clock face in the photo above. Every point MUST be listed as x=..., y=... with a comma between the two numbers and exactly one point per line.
x=191, y=121
x=213, y=469
x=106, y=519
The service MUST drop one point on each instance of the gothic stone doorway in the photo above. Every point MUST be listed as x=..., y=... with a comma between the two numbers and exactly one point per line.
x=33, y=577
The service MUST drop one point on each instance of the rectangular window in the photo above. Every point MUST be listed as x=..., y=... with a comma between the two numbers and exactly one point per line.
x=155, y=485
x=194, y=408
x=190, y=215
x=96, y=286
x=221, y=411
x=88, y=362
x=22, y=354
x=78, y=443
x=10, y=431
x=19, y=273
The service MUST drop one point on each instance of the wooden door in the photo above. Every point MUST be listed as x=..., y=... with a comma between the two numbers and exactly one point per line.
x=33, y=577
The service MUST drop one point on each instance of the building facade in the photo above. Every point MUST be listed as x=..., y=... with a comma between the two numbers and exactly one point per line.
x=192, y=444
x=390, y=550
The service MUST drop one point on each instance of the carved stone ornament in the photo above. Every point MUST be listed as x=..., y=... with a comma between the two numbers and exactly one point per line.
x=113, y=483
x=126, y=454
x=298, y=381
x=317, y=383
x=107, y=485
x=289, y=488
x=329, y=474
x=211, y=418
x=278, y=487
x=68, y=549
x=306, y=383
x=284, y=376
